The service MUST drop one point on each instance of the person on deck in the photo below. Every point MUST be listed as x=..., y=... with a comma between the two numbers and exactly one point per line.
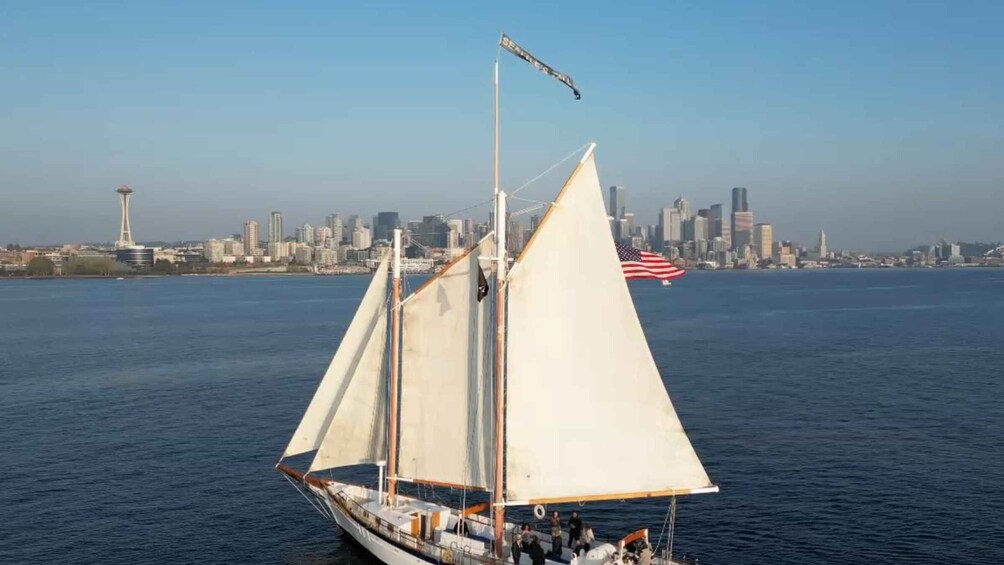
x=645, y=555
x=574, y=529
x=556, y=534
x=536, y=551
x=518, y=539
x=585, y=540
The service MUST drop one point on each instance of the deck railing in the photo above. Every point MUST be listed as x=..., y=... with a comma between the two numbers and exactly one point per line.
x=390, y=532
x=455, y=554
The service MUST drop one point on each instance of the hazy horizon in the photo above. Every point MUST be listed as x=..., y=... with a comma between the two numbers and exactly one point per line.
x=880, y=124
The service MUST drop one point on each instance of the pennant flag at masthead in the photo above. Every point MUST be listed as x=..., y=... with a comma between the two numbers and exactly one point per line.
x=512, y=47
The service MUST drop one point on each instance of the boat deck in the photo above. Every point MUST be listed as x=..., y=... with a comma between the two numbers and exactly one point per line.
x=430, y=529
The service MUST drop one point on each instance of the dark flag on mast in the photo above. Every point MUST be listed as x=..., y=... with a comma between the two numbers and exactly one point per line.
x=511, y=46
x=482, y=284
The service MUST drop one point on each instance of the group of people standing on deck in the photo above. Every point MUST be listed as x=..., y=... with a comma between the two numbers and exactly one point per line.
x=580, y=539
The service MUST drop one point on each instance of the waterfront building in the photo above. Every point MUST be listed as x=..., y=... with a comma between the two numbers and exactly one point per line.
x=326, y=257
x=233, y=247
x=763, y=238
x=277, y=250
x=304, y=255
x=821, y=245
x=136, y=256
x=250, y=237
x=212, y=250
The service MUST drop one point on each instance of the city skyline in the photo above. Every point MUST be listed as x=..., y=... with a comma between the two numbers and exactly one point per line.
x=887, y=141
x=614, y=196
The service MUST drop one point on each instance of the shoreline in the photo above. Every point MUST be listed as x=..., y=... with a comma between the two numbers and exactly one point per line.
x=280, y=274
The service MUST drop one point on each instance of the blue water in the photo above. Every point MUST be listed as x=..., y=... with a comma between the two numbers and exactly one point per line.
x=849, y=417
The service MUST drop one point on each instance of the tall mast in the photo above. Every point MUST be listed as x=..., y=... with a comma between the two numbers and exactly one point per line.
x=395, y=340
x=498, y=498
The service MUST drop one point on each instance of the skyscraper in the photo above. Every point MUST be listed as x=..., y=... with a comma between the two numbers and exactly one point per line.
x=250, y=237
x=742, y=218
x=670, y=228
x=433, y=232
x=305, y=234
x=715, y=221
x=763, y=240
x=275, y=227
x=322, y=235
x=125, y=230
x=683, y=205
x=739, y=202
x=384, y=225
x=821, y=245
x=355, y=222
x=618, y=202
x=361, y=238
x=700, y=228
x=334, y=221
x=742, y=229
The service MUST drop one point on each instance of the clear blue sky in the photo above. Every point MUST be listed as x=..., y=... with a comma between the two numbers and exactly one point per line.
x=881, y=122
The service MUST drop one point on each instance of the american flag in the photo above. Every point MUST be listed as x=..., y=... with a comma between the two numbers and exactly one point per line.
x=638, y=264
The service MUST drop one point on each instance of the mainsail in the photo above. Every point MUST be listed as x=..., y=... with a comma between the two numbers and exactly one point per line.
x=587, y=415
x=346, y=422
x=445, y=437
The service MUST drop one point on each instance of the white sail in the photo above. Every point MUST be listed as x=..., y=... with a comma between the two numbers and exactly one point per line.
x=346, y=419
x=587, y=415
x=445, y=437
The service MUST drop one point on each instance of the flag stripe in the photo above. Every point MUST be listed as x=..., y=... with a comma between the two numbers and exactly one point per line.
x=638, y=264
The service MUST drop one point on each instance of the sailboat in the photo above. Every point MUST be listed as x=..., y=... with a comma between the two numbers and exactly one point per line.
x=524, y=382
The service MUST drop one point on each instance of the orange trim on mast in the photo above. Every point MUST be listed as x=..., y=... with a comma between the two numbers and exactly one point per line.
x=302, y=477
x=395, y=338
x=476, y=509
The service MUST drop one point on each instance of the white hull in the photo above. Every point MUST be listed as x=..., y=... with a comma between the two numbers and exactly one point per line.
x=387, y=533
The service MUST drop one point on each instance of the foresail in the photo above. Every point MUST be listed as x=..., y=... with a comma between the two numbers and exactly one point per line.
x=445, y=437
x=587, y=415
x=346, y=420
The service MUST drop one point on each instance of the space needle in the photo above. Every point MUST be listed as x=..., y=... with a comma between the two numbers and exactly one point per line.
x=125, y=232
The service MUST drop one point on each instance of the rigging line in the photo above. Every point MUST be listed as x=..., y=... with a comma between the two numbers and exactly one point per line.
x=672, y=526
x=549, y=169
x=527, y=210
x=663, y=530
x=479, y=204
x=541, y=202
x=304, y=495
